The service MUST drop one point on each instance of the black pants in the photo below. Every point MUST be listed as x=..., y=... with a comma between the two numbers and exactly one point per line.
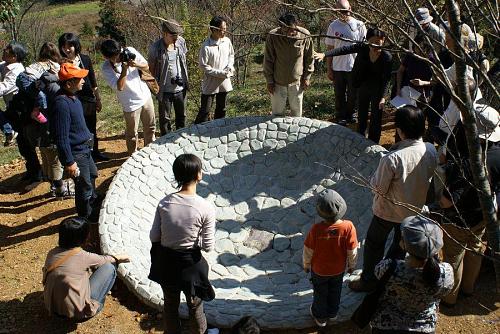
x=85, y=195
x=28, y=152
x=206, y=103
x=345, y=95
x=376, y=237
x=90, y=115
x=369, y=96
x=178, y=102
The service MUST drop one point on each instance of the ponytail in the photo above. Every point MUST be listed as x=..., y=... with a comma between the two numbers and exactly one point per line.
x=432, y=271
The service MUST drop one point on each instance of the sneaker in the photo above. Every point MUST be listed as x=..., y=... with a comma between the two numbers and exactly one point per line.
x=32, y=184
x=64, y=193
x=352, y=120
x=9, y=138
x=362, y=286
x=212, y=331
x=333, y=319
x=342, y=122
x=319, y=322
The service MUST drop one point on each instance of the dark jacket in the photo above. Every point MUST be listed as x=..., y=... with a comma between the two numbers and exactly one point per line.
x=87, y=92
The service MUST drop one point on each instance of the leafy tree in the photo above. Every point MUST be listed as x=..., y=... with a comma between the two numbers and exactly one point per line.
x=109, y=17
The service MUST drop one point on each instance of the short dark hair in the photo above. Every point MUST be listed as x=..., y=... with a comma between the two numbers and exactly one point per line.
x=287, y=20
x=71, y=39
x=73, y=232
x=374, y=32
x=110, y=48
x=18, y=50
x=186, y=168
x=411, y=121
x=49, y=51
x=216, y=22
x=246, y=325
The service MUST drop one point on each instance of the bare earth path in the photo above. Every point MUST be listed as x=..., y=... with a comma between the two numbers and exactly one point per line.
x=28, y=230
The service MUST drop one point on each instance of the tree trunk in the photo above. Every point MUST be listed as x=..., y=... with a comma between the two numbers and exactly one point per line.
x=476, y=157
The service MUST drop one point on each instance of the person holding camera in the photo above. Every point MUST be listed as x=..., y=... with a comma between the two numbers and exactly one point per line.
x=167, y=63
x=121, y=70
x=217, y=62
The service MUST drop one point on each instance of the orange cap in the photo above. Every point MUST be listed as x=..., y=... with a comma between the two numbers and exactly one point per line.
x=70, y=71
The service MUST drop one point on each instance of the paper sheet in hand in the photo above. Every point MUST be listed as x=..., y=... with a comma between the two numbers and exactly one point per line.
x=409, y=96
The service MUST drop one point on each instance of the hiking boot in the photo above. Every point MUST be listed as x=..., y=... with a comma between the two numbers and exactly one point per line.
x=63, y=193
x=362, y=286
x=9, y=138
x=319, y=322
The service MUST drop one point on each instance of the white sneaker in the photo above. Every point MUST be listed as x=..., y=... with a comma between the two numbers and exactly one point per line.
x=316, y=320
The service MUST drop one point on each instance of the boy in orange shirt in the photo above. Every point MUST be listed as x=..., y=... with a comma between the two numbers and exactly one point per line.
x=329, y=246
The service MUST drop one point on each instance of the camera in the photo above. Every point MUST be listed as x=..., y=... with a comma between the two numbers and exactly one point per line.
x=177, y=81
x=126, y=55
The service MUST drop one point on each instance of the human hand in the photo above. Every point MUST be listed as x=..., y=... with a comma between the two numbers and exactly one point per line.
x=305, y=83
x=319, y=56
x=270, y=88
x=122, y=258
x=71, y=170
x=381, y=104
x=418, y=82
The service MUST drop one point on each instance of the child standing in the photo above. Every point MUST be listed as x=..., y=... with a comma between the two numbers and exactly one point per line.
x=329, y=245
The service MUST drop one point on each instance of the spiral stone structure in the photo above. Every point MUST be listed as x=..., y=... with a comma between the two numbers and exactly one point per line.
x=261, y=174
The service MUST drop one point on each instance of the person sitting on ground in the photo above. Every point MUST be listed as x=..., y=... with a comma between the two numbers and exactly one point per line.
x=400, y=186
x=69, y=46
x=121, y=72
x=183, y=226
x=10, y=67
x=371, y=76
x=409, y=303
x=329, y=246
x=75, y=281
x=246, y=325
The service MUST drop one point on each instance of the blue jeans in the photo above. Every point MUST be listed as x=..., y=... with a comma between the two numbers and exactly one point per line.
x=85, y=196
x=4, y=124
x=101, y=282
x=326, y=298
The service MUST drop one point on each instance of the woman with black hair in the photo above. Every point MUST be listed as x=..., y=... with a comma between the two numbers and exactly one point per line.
x=75, y=281
x=183, y=226
x=70, y=47
x=410, y=301
x=371, y=76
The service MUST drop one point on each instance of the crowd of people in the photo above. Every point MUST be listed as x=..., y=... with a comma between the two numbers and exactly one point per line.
x=52, y=104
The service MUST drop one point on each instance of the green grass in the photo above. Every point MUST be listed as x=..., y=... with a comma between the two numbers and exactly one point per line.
x=59, y=11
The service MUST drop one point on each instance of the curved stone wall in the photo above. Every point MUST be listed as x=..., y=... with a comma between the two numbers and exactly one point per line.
x=261, y=173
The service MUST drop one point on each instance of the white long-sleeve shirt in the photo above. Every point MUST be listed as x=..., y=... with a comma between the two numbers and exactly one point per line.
x=217, y=62
x=183, y=222
x=8, y=76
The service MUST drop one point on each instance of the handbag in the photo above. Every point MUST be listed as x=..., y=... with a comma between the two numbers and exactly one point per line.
x=150, y=80
x=366, y=310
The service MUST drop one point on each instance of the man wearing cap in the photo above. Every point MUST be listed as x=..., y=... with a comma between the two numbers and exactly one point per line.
x=167, y=63
x=133, y=93
x=435, y=33
x=217, y=62
x=400, y=186
x=339, y=68
x=288, y=65
x=74, y=140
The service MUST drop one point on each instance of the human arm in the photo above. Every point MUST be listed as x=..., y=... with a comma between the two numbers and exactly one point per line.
x=155, y=233
x=8, y=84
x=399, y=78
x=206, y=67
x=352, y=249
x=62, y=123
x=345, y=50
x=386, y=77
x=308, y=250
x=230, y=64
x=307, y=62
x=208, y=231
x=152, y=60
x=382, y=179
x=93, y=260
x=140, y=62
x=120, y=83
x=329, y=61
x=93, y=82
x=269, y=59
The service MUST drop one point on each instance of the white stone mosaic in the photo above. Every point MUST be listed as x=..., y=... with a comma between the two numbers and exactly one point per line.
x=261, y=173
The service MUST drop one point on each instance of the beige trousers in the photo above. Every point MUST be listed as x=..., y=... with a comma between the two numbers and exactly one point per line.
x=294, y=93
x=51, y=166
x=146, y=114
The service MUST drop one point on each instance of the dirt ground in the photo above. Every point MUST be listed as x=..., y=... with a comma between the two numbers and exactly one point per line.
x=28, y=230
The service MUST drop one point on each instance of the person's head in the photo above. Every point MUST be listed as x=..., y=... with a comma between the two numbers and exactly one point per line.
x=69, y=45
x=246, y=325
x=73, y=232
x=49, y=52
x=71, y=77
x=344, y=10
x=376, y=38
x=187, y=169
x=423, y=239
x=423, y=17
x=171, y=30
x=13, y=52
x=466, y=37
x=110, y=49
x=218, y=27
x=488, y=123
x=330, y=205
x=410, y=122
x=288, y=24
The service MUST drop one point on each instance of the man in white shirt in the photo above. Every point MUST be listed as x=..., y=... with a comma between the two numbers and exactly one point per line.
x=10, y=67
x=339, y=68
x=121, y=72
x=217, y=62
